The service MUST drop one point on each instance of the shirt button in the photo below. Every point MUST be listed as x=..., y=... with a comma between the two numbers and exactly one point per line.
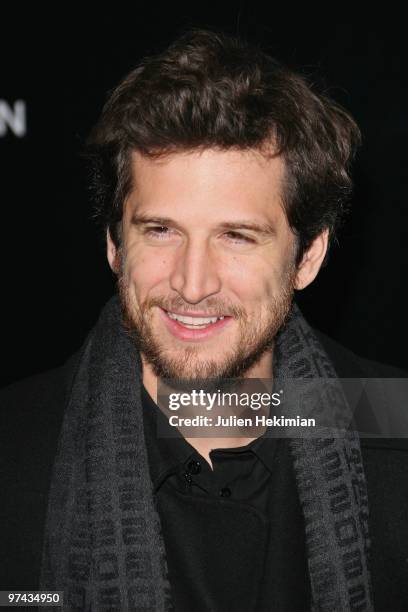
x=225, y=492
x=194, y=467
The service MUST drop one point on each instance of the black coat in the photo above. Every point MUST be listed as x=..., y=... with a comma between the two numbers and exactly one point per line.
x=31, y=415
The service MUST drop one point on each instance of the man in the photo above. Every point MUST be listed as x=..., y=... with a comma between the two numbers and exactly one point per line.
x=220, y=177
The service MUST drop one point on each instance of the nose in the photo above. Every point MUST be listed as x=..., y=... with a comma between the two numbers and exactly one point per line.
x=195, y=275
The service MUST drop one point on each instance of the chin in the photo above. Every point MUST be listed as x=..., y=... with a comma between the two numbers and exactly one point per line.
x=189, y=362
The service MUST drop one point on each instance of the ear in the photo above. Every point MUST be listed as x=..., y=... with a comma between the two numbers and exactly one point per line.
x=312, y=260
x=112, y=253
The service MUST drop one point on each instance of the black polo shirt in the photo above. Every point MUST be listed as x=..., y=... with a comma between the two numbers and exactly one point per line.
x=234, y=535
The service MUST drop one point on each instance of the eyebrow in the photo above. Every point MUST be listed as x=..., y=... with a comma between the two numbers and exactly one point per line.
x=265, y=229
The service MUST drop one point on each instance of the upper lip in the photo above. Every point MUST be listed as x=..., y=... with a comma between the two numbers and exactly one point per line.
x=196, y=314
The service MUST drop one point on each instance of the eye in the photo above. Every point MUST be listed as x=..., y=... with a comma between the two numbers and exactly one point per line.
x=158, y=231
x=239, y=238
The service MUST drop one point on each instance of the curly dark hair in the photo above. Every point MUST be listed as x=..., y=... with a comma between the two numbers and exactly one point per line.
x=209, y=90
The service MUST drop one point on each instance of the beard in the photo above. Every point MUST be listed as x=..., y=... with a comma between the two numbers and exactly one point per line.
x=188, y=363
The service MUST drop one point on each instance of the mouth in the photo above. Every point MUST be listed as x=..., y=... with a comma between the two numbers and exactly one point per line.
x=195, y=326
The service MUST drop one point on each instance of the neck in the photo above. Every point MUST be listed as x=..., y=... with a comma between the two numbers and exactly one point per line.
x=262, y=369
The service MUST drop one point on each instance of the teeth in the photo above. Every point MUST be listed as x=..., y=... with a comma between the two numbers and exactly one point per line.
x=194, y=321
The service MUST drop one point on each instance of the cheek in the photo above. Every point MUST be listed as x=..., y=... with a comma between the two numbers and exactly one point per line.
x=253, y=281
x=144, y=273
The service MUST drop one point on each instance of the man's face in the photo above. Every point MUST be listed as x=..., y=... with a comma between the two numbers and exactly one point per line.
x=204, y=236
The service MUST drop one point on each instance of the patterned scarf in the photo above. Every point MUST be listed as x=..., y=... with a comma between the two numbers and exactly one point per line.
x=103, y=545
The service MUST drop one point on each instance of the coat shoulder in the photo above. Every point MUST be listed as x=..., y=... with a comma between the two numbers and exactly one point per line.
x=31, y=413
x=37, y=401
x=349, y=365
x=383, y=403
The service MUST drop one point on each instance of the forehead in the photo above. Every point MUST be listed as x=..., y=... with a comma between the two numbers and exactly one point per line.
x=208, y=181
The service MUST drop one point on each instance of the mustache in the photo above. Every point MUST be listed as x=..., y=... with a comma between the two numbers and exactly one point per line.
x=210, y=306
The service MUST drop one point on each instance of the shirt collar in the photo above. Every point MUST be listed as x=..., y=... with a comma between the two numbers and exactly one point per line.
x=167, y=453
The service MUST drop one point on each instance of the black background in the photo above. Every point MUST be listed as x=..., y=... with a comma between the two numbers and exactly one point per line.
x=55, y=277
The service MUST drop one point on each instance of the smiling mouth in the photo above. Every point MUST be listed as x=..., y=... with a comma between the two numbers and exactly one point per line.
x=194, y=322
x=194, y=327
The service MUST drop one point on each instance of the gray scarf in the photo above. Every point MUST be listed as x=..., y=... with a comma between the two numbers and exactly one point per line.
x=103, y=545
